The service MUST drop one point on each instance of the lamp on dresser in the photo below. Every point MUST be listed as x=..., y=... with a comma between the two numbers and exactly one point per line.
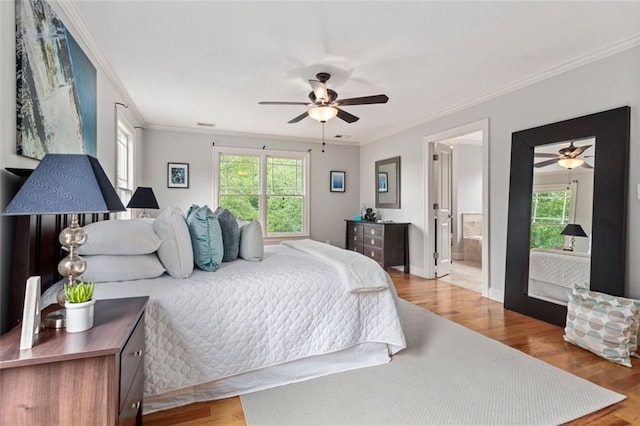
x=143, y=199
x=67, y=184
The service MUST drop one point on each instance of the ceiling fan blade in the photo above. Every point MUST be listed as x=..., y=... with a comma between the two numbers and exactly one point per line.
x=546, y=155
x=282, y=103
x=364, y=100
x=320, y=90
x=298, y=118
x=545, y=163
x=344, y=115
x=579, y=150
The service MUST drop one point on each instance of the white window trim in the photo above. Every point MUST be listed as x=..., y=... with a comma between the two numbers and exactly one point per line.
x=123, y=126
x=263, y=153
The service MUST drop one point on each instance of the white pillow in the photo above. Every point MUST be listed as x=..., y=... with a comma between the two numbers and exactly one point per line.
x=105, y=268
x=120, y=237
x=251, y=243
x=175, y=252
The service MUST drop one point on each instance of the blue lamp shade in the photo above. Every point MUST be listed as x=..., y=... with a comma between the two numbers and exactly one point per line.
x=573, y=230
x=66, y=183
x=143, y=198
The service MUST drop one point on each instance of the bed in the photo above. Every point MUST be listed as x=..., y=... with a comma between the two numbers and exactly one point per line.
x=554, y=273
x=255, y=325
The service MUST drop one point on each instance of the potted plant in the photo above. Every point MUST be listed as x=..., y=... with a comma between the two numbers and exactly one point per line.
x=79, y=305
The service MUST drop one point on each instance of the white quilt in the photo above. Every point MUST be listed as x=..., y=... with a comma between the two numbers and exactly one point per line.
x=251, y=315
x=563, y=268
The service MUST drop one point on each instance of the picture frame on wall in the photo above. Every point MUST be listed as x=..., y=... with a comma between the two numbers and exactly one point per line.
x=338, y=181
x=178, y=175
x=383, y=182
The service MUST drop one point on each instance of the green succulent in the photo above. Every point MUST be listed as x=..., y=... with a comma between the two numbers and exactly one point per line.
x=79, y=292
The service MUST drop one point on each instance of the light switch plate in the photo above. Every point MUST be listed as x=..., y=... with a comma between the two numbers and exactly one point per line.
x=639, y=191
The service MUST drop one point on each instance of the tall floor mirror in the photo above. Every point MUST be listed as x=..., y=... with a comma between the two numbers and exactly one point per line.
x=567, y=212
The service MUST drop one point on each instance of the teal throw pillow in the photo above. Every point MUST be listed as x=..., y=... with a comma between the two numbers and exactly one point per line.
x=206, y=238
x=230, y=234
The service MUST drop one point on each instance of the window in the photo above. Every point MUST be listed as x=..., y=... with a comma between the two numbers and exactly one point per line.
x=552, y=208
x=270, y=186
x=124, y=167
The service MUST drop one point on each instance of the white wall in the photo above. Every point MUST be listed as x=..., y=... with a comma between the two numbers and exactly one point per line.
x=107, y=95
x=609, y=83
x=328, y=209
x=467, y=178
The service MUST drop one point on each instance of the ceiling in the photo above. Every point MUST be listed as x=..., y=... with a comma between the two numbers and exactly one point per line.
x=183, y=62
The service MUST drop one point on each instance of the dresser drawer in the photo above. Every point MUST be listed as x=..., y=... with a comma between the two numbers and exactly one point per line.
x=131, y=360
x=373, y=242
x=373, y=231
x=355, y=229
x=133, y=402
x=374, y=253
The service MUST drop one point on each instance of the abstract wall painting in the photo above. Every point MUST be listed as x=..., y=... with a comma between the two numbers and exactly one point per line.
x=56, y=86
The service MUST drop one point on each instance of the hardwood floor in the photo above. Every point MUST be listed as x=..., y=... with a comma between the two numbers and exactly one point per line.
x=536, y=338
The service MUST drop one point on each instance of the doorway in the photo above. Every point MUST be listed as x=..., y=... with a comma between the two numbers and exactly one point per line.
x=457, y=218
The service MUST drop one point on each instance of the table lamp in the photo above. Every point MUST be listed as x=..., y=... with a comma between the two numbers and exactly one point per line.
x=573, y=230
x=67, y=184
x=143, y=199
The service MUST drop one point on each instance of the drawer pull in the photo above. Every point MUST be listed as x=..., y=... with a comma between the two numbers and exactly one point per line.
x=373, y=253
x=355, y=238
x=373, y=242
x=355, y=229
x=135, y=405
x=373, y=231
x=137, y=353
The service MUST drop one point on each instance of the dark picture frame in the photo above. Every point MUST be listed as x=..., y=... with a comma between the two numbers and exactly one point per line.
x=177, y=175
x=337, y=181
x=383, y=182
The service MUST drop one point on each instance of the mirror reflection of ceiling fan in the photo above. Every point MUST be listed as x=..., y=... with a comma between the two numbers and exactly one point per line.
x=324, y=102
x=567, y=157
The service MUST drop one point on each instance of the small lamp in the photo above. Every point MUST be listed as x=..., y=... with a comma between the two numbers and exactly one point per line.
x=322, y=113
x=573, y=230
x=143, y=199
x=67, y=184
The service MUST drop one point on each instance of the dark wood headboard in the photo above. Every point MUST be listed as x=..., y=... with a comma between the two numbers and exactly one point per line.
x=37, y=251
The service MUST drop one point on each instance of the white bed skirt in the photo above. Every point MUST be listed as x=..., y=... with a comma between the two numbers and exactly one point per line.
x=360, y=356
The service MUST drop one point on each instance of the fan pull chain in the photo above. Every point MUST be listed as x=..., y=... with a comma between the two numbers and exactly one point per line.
x=323, y=143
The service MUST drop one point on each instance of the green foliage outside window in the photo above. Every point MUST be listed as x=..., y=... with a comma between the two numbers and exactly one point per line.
x=549, y=215
x=240, y=177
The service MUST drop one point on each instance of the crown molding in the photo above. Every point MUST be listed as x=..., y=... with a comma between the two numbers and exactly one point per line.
x=75, y=21
x=232, y=133
x=596, y=55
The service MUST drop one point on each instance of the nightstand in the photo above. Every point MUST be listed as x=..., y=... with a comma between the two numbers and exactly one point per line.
x=94, y=377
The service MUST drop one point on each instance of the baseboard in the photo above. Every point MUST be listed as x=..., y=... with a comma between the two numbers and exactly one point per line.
x=496, y=294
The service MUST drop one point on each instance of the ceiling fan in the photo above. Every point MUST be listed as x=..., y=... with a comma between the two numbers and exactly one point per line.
x=325, y=104
x=567, y=157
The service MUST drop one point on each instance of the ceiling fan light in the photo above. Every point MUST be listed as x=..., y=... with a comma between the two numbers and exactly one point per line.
x=322, y=113
x=570, y=163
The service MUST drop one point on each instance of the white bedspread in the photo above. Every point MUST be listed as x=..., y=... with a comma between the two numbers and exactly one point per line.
x=357, y=272
x=251, y=315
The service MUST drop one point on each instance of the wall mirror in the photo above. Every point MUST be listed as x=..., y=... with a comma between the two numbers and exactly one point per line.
x=555, y=185
x=388, y=183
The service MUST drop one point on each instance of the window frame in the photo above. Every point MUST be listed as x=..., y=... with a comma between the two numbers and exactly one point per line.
x=572, y=187
x=263, y=196
x=123, y=127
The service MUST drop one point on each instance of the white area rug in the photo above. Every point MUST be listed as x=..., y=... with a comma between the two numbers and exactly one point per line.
x=448, y=375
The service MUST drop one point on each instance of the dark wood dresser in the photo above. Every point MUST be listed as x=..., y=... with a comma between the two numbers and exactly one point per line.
x=94, y=377
x=385, y=242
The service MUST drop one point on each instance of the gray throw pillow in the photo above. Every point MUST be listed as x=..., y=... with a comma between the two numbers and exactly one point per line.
x=230, y=234
x=251, y=244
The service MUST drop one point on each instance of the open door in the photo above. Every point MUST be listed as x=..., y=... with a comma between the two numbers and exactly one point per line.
x=442, y=208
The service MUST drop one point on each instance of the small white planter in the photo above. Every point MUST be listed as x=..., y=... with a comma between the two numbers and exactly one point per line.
x=79, y=316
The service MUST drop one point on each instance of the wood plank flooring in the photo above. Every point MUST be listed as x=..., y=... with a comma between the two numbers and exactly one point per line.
x=536, y=338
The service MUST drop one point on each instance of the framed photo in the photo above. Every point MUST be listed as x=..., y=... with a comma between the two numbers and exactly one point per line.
x=30, y=313
x=178, y=175
x=383, y=184
x=338, y=181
